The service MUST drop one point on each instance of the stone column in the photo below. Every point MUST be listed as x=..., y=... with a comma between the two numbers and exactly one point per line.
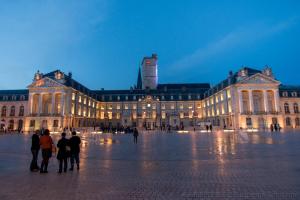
x=40, y=103
x=53, y=103
x=251, y=101
x=276, y=98
x=240, y=101
x=266, y=101
x=31, y=95
x=62, y=103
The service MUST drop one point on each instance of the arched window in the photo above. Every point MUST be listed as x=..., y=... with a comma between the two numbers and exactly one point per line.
x=22, y=98
x=296, y=108
x=286, y=108
x=288, y=121
x=3, y=111
x=12, y=111
x=11, y=124
x=297, y=121
x=21, y=111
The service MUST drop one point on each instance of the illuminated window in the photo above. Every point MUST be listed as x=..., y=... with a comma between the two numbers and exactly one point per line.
x=181, y=106
x=73, y=96
x=172, y=106
x=181, y=115
x=163, y=106
x=126, y=106
x=73, y=109
x=134, y=106
x=153, y=115
x=163, y=114
x=154, y=106
x=79, y=110
x=118, y=106
x=79, y=99
x=228, y=93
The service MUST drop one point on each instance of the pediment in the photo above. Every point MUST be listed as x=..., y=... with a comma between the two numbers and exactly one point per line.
x=259, y=79
x=45, y=83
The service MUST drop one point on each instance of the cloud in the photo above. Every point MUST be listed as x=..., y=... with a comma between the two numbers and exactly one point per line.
x=232, y=40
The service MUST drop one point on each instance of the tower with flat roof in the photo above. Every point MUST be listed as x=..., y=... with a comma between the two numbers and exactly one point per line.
x=149, y=72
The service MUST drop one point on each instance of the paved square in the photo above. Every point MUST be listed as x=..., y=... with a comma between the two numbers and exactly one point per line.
x=161, y=166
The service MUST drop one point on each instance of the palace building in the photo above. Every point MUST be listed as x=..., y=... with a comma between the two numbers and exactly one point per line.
x=247, y=99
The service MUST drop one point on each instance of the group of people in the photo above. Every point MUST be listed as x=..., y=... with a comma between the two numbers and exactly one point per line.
x=275, y=127
x=68, y=149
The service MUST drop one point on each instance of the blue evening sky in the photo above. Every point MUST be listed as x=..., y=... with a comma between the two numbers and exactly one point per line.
x=103, y=41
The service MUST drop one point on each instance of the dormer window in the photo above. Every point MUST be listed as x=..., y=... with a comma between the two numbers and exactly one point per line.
x=179, y=97
x=118, y=98
x=190, y=97
x=294, y=94
x=14, y=98
x=22, y=98
x=59, y=75
x=285, y=94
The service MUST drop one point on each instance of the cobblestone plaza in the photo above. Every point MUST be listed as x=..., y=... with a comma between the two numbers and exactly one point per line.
x=161, y=166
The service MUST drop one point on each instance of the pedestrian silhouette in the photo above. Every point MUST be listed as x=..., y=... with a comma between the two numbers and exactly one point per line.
x=35, y=147
x=75, y=149
x=63, y=152
x=135, y=135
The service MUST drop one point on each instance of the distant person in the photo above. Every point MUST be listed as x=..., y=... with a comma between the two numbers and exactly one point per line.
x=135, y=135
x=46, y=146
x=63, y=151
x=272, y=127
x=35, y=147
x=210, y=128
x=207, y=128
x=74, y=142
x=279, y=127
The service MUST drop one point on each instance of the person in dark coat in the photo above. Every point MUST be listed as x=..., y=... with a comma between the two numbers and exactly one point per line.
x=63, y=151
x=74, y=142
x=135, y=135
x=35, y=147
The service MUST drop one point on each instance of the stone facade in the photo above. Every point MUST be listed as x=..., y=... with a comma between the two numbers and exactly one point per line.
x=247, y=99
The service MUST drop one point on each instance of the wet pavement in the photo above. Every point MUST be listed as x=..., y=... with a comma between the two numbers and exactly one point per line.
x=161, y=166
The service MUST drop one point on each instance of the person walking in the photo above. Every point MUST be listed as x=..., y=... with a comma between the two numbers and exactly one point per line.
x=210, y=127
x=46, y=146
x=74, y=142
x=135, y=135
x=63, y=151
x=35, y=147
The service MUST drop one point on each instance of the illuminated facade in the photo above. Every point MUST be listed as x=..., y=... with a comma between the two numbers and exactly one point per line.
x=247, y=99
